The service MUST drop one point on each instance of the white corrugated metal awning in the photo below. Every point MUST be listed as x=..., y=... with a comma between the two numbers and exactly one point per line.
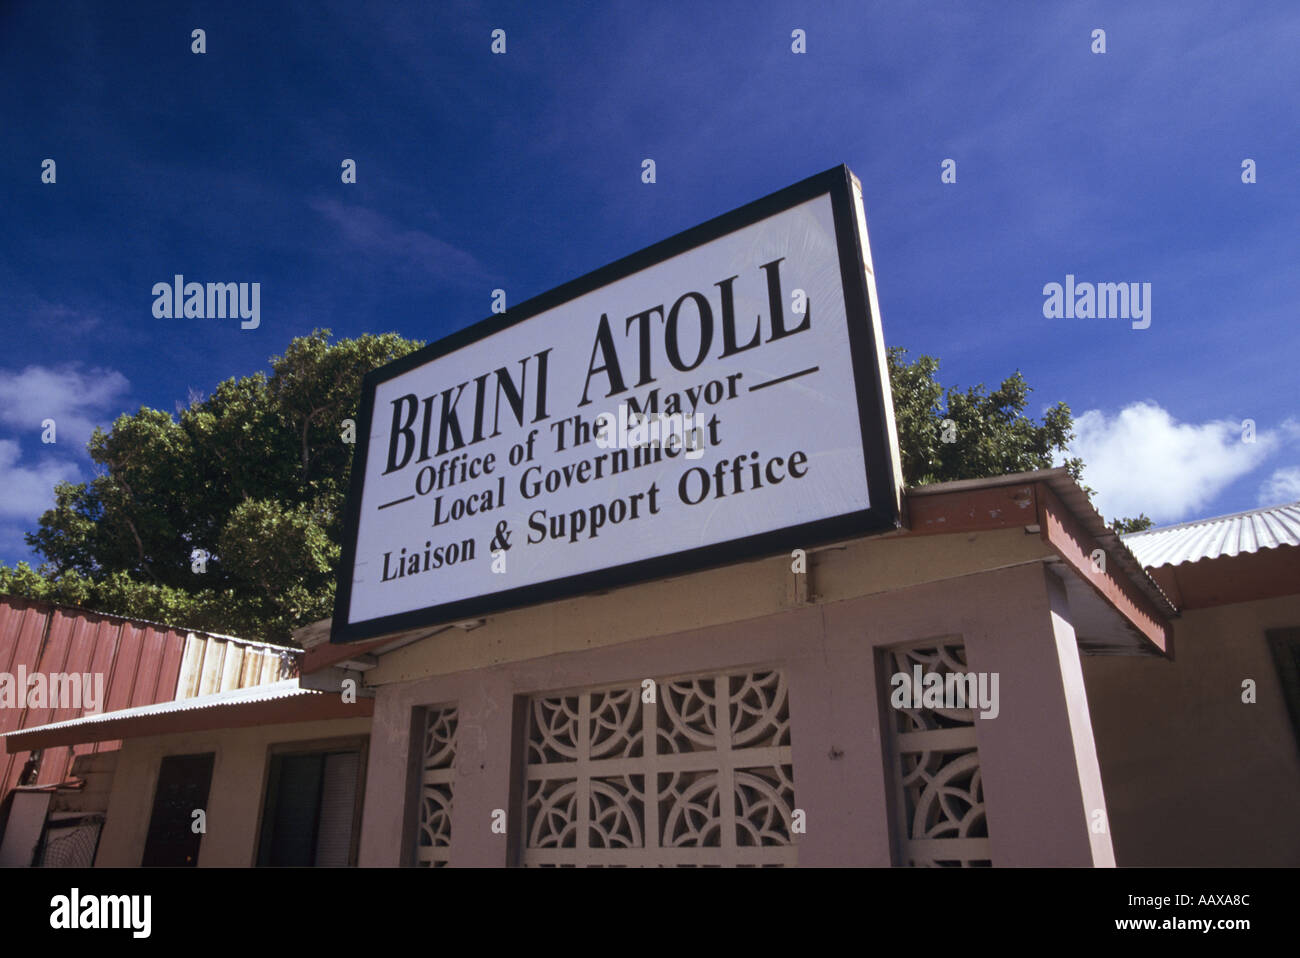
x=1236, y=534
x=284, y=689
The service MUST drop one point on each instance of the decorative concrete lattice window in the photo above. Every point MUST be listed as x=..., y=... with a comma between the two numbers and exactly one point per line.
x=701, y=776
x=939, y=796
x=433, y=840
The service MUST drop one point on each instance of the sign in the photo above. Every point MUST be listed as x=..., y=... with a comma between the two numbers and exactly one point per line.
x=719, y=396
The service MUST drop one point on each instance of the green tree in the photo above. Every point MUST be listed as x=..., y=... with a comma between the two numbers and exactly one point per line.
x=948, y=434
x=1135, y=524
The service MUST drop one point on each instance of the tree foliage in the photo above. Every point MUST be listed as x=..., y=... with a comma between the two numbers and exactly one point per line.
x=1134, y=524
x=946, y=435
x=228, y=517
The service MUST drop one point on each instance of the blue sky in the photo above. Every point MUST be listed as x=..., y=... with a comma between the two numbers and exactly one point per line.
x=523, y=170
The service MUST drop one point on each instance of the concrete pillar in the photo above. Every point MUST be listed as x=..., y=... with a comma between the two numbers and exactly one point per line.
x=482, y=783
x=1042, y=781
x=387, y=817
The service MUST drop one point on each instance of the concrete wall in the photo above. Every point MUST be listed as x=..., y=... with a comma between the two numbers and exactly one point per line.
x=734, y=593
x=1194, y=776
x=1041, y=779
x=234, y=802
x=96, y=769
x=23, y=828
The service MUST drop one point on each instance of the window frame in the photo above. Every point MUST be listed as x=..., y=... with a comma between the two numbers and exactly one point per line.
x=1284, y=645
x=145, y=852
x=323, y=746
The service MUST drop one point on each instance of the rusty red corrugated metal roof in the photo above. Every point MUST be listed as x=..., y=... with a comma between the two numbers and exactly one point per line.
x=142, y=663
x=1073, y=496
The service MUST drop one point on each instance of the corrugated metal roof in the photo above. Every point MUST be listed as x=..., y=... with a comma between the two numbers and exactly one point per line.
x=287, y=688
x=140, y=662
x=135, y=620
x=1241, y=532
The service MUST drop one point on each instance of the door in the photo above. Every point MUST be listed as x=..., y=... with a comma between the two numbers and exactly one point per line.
x=183, y=783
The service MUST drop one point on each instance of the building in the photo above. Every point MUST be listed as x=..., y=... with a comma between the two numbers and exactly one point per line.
x=1119, y=731
x=742, y=715
x=1200, y=753
x=67, y=668
x=266, y=775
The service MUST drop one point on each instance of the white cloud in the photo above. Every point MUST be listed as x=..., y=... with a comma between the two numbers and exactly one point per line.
x=76, y=400
x=29, y=488
x=1143, y=460
x=1282, y=486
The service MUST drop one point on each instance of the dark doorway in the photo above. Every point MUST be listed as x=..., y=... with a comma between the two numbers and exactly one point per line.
x=183, y=783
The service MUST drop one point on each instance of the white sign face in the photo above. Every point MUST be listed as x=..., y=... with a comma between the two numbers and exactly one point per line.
x=696, y=410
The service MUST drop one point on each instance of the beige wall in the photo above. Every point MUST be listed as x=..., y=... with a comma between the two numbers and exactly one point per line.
x=1194, y=776
x=1041, y=779
x=713, y=597
x=234, y=802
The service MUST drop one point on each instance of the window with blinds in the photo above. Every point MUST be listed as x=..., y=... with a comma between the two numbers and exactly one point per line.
x=311, y=809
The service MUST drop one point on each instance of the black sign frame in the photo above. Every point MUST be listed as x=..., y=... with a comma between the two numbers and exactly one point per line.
x=880, y=454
